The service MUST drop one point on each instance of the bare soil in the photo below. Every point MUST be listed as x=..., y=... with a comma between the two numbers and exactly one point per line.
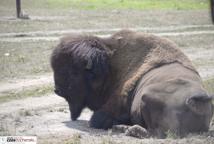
x=48, y=118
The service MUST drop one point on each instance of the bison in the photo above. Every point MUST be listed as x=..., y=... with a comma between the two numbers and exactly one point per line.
x=131, y=78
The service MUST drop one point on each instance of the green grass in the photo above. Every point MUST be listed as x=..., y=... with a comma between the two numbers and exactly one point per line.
x=107, y=140
x=129, y=4
x=209, y=85
x=171, y=135
x=25, y=113
x=111, y=4
x=24, y=58
x=33, y=92
x=75, y=139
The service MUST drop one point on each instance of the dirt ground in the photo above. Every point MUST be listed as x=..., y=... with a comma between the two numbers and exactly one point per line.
x=25, y=47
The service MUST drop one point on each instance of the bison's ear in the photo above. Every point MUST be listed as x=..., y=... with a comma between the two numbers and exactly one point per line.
x=199, y=104
x=89, y=64
x=113, y=42
x=119, y=38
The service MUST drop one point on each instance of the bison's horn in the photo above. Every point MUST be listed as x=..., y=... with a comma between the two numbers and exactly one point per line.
x=89, y=64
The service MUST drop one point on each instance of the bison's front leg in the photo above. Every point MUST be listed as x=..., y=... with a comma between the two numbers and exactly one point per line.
x=112, y=113
x=101, y=120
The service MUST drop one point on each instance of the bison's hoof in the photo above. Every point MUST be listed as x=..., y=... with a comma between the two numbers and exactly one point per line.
x=120, y=128
x=136, y=131
x=101, y=120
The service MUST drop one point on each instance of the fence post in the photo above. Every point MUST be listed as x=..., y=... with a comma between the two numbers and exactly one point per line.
x=18, y=8
x=212, y=9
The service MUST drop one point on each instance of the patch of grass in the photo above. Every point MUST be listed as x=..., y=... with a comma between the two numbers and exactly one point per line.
x=21, y=59
x=128, y=4
x=75, y=139
x=203, y=62
x=110, y=4
x=25, y=113
x=4, y=130
x=171, y=135
x=209, y=85
x=33, y=92
x=107, y=140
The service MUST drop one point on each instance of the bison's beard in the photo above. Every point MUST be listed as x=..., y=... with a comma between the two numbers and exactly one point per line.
x=75, y=110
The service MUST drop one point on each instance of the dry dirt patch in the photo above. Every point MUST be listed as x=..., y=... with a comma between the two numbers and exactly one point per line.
x=48, y=118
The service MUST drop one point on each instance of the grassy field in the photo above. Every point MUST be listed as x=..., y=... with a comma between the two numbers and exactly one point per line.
x=128, y=4
x=114, y=4
x=21, y=59
x=209, y=85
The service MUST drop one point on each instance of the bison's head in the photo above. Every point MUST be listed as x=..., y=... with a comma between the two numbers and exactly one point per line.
x=80, y=66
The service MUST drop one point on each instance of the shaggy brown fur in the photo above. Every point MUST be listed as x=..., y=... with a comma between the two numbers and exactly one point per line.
x=135, y=54
x=80, y=66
